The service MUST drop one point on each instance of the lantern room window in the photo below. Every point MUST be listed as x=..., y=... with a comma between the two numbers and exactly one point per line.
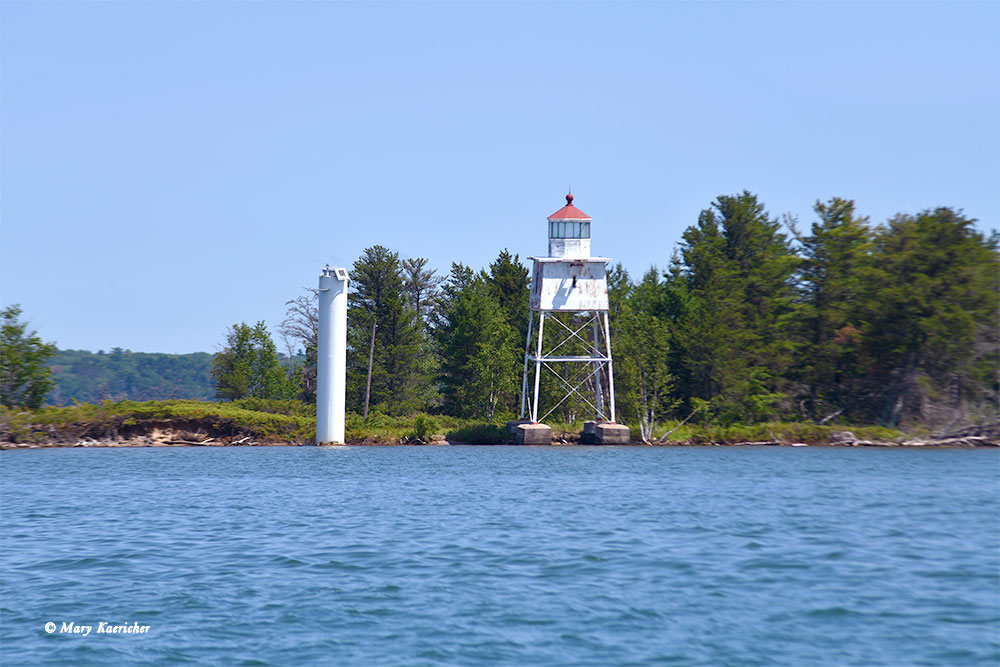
x=569, y=229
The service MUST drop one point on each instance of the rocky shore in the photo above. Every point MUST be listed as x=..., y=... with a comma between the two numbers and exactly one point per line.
x=166, y=434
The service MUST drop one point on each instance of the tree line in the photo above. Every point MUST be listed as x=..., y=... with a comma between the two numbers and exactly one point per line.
x=753, y=319
x=91, y=377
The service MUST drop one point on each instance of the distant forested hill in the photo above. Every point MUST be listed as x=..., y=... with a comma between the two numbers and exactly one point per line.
x=90, y=377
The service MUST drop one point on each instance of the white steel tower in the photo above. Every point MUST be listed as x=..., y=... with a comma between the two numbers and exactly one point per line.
x=569, y=280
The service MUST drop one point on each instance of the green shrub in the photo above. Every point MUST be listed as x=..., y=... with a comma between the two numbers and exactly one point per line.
x=278, y=407
x=424, y=426
x=481, y=434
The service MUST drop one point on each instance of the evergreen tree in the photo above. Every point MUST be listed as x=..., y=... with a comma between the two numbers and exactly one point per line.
x=509, y=282
x=828, y=315
x=478, y=349
x=25, y=377
x=619, y=289
x=509, y=285
x=931, y=311
x=460, y=277
x=420, y=285
x=377, y=307
x=248, y=366
x=732, y=278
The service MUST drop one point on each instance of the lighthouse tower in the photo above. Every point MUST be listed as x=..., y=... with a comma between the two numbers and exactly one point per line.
x=577, y=352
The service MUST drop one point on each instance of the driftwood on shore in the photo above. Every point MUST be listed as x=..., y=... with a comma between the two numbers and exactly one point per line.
x=195, y=433
x=247, y=441
x=973, y=436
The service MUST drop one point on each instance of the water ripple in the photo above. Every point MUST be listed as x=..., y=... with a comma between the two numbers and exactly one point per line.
x=502, y=556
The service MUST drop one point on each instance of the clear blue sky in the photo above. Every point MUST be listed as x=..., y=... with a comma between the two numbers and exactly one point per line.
x=172, y=168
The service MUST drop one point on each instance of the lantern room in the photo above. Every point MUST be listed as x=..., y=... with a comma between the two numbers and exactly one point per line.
x=569, y=279
x=569, y=232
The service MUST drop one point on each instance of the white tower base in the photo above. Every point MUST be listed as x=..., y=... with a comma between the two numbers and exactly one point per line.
x=331, y=357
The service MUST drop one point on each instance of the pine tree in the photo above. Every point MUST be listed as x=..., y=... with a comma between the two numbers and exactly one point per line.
x=420, y=285
x=828, y=314
x=509, y=284
x=931, y=309
x=732, y=277
x=377, y=308
x=478, y=348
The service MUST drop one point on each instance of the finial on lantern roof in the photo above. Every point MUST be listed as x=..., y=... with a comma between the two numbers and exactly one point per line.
x=569, y=211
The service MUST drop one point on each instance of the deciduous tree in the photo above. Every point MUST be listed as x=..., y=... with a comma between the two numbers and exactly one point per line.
x=25, y=377
x=642, y=356
x=301, y=325
x=248, y=366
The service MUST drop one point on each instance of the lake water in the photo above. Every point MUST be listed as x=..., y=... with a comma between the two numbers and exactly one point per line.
x=501, y=556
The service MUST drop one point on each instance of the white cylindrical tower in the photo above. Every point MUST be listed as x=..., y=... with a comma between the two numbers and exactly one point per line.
x=331, y=357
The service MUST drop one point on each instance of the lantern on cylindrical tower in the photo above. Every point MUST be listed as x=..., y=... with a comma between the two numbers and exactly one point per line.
x=578, y=354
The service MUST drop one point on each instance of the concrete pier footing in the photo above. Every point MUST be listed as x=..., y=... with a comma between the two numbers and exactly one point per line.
x=605, y=433
x=526, y=433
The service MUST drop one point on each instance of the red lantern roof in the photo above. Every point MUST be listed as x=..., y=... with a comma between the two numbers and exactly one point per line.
x=569, y=212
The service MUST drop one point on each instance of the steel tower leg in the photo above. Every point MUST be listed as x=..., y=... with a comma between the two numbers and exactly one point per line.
x=611, y=374
x=524, y=375
x=598, y=389
x=538, y=365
